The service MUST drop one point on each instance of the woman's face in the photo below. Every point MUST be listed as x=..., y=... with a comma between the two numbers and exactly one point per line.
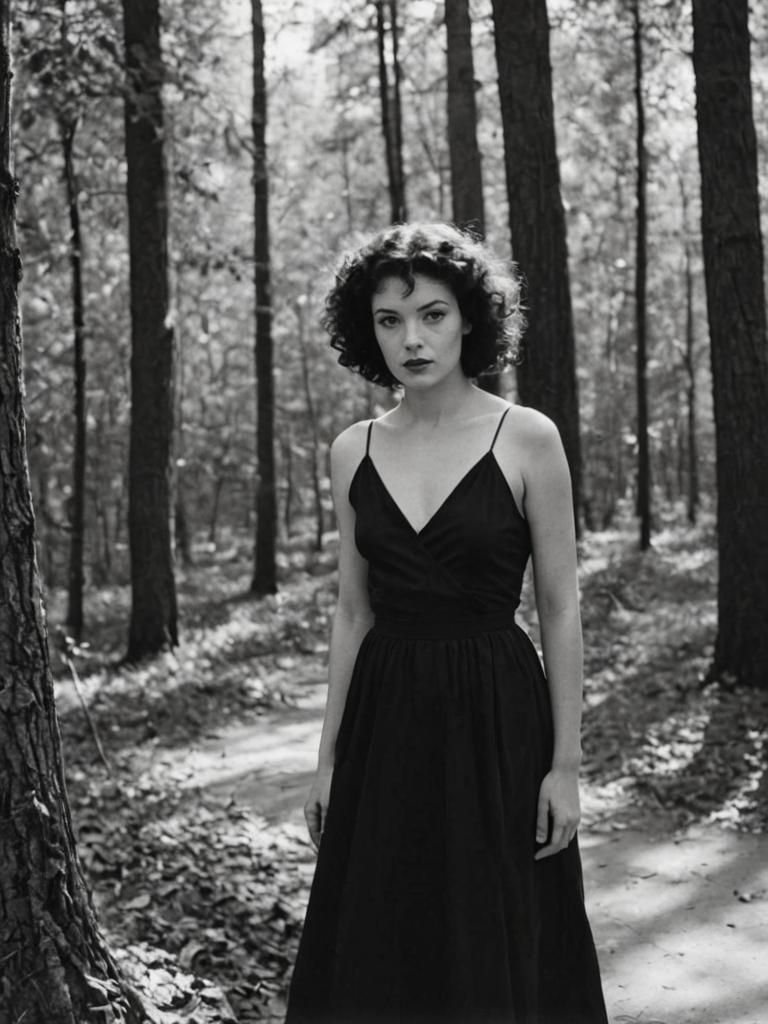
x=419, y=334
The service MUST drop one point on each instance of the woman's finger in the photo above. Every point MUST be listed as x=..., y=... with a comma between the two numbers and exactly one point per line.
x=542, y=820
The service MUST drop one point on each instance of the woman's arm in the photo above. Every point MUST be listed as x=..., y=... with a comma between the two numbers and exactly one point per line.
x=352, y=620
x=549, y=510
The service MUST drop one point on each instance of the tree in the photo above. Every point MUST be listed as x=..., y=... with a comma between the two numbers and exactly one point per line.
x=733, y=272
x=391, y=112
x=55, y=964
x=466, y=165
x=153, y=624
x=265, y=573
x=547, y=375
x=643, y=503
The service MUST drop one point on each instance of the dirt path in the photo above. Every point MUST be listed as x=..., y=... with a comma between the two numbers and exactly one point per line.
x=680, y=920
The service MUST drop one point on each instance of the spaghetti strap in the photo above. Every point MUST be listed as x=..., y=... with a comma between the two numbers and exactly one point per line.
x=368, y=437
x=493, y=442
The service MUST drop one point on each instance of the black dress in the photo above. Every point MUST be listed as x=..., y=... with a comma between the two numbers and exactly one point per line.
x=426, y=903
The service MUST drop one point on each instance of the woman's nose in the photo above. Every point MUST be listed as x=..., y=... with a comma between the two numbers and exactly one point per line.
x=412, y=339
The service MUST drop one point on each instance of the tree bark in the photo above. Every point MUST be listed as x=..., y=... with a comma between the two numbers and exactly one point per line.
x=643, y=505
x=464, y=152
x=314, y=428
x=391, y=114
x=547, y=375
x=733, y=267
x=689, y=359
x=67, y=130
x=153, y=624
x=265, y=572
x=55, y=964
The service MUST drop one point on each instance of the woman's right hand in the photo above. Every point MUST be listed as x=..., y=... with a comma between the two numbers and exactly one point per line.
x=316, y=807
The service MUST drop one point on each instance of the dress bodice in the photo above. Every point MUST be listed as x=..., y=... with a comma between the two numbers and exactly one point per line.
x=466, y=563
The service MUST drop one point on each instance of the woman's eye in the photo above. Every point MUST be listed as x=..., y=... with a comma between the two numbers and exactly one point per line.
x=387, y=321
x=434, y=315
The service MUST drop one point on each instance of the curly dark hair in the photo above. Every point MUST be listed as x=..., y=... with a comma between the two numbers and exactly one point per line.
x=488, y=295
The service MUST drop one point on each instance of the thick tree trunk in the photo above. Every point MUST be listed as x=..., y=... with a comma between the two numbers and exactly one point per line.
x=547, y=375
x=265, y=572
x=643, y=508
x=54, y=960
x=391, y=114
x=733, y=266
x=77, y=522
x=153, y=623
x=464, y=152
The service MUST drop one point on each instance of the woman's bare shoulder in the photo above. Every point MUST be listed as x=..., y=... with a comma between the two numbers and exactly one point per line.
x=529, y=431
x=349, y=447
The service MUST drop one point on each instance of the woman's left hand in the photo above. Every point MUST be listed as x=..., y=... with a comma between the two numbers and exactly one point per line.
x=558, y=804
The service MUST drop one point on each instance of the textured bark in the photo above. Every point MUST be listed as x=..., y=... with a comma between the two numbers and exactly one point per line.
x=733, y=268
x=265, y=572
x=49, y=940
x=391, y=115
x=547, y=375
x=643, y=504
x=153, y=625
x=689, y=359
x=466, y=167
x=77, y=521
x=464, y=152
x=314, y=427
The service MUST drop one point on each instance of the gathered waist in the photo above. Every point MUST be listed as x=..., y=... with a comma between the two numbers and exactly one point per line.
x=448, y=628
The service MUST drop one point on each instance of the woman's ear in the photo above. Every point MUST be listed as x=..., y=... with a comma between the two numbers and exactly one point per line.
x=466, y=327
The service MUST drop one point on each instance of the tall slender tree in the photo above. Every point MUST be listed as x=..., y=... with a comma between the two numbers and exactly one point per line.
x=391, y=109
x=55, y=964
x=641, y=288
x=733, y=271
x=265, y=571
x=463, y=148
x=547, y=375
x=68, y=130
x=153, y=624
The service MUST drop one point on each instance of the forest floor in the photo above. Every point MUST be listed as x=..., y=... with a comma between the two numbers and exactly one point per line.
x=192, y=833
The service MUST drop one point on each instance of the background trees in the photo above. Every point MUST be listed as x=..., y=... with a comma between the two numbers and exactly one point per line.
x=329, y=177
x=733, y=263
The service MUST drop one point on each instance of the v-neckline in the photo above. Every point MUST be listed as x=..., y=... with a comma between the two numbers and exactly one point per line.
x=419, y=533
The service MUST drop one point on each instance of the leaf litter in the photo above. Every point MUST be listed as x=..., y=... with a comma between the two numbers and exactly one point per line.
x=204, y=899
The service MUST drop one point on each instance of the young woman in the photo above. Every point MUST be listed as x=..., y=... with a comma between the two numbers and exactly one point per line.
x=448, y=882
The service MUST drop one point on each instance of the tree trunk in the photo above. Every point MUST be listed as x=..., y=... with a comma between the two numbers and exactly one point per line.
x=643, y=505
x=733, y=266
x=690, y=370
x=466, y=167
x=312, y=414
x=153, y=625
x=547, y=375
x=55, y=963
x=265, y=572
x=464, y=152
x=391, y=114
x=67, y=129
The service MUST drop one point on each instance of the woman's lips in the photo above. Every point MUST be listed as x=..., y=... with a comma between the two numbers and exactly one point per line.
x=416, y=364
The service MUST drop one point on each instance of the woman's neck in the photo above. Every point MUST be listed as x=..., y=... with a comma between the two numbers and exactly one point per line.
x=452, y=399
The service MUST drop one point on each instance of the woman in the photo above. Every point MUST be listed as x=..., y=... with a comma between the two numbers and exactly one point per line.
x=445, y=805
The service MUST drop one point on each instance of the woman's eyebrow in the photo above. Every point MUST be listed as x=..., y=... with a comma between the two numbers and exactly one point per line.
x=419, y=309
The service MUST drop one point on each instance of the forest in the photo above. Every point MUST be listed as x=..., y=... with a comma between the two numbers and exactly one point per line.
x=177, y=182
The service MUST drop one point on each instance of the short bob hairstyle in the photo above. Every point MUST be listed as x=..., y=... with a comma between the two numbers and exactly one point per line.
x=487, y=293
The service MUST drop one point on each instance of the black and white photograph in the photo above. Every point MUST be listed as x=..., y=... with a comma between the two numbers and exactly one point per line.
x=383, y=512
